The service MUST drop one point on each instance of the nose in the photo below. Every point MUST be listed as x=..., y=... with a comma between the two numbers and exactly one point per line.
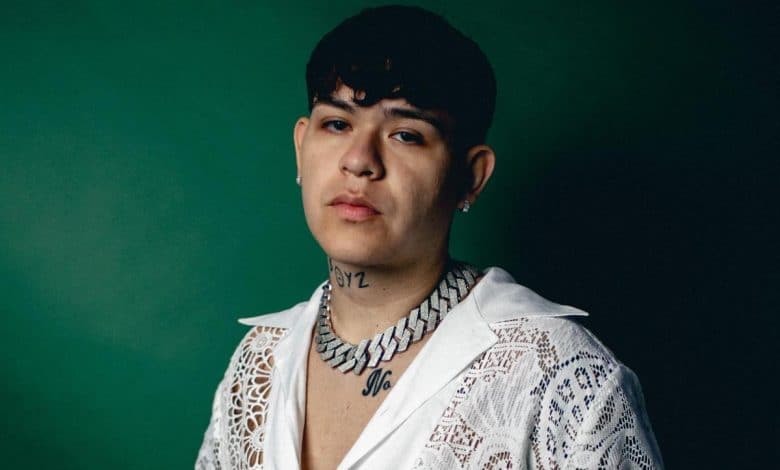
x=363, y=157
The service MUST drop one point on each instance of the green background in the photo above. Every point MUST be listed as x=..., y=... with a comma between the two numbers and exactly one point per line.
x=147, y=200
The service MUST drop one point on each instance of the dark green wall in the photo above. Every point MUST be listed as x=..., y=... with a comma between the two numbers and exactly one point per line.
x=147, y=199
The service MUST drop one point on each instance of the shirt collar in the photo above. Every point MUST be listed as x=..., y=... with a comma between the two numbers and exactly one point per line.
x=499, y=297
x=463, y=335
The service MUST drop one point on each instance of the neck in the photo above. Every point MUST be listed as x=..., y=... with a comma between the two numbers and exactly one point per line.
x=367, y=300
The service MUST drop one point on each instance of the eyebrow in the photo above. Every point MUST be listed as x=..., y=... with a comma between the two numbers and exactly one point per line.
x=425, y=116
x=408, y=113
x=335, y=102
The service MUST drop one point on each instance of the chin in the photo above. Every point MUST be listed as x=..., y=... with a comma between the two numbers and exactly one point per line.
x=360, y=245
x=357, y=252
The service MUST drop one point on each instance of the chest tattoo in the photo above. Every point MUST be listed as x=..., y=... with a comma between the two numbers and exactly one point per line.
x=377, y=381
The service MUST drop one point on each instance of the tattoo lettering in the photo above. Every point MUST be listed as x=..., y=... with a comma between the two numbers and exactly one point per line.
x=344, y=278
x=361, y=275
x=377, y=382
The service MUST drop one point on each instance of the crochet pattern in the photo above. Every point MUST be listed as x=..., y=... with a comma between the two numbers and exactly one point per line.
x=237, y=429
x=576, y=413
x=546, y=395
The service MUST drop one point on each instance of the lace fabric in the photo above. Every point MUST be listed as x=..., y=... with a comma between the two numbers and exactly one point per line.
x=236, y=432
x=583, y=410
x=542, y=393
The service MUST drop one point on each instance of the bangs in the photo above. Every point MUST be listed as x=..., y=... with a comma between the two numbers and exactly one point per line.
x=410, y=53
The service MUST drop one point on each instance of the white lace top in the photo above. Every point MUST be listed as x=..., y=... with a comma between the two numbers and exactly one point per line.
x=506, y=381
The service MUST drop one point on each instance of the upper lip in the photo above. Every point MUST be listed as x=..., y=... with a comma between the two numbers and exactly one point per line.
x=352, y=201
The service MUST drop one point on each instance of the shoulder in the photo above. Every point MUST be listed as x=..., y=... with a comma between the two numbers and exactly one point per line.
x=539, y=338
x=588, y=406
x=517, y=314
x=523, y=319
x=256, y=349
x=241, y=402
x=268, y=329
x=562, y=342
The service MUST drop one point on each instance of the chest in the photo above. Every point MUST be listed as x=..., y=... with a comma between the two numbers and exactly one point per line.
x=339, y=406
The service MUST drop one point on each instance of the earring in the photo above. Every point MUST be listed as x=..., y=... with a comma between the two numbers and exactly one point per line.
x=298, y=180
x=466, y=206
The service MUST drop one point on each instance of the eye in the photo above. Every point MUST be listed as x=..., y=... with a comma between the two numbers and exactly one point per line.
x=336, y=125
x=408, y=137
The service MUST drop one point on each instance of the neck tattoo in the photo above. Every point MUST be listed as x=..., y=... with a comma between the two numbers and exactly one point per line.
x=345, y=278
x=454, y=285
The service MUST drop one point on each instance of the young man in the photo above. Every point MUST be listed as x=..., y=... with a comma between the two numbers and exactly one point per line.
x=406, y=358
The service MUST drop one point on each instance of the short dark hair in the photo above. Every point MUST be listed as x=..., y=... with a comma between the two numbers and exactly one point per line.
x=411, y=53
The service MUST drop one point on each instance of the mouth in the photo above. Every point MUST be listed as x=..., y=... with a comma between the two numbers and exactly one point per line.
x=353, y=209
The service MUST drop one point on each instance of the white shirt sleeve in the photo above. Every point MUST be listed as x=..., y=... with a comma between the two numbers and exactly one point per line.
x=614, y=431
x=208, y=456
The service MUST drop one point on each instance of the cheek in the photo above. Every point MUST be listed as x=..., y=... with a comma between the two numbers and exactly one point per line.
x=312, y=198
x=311, y=161
x=429, y=193
x=312, y=175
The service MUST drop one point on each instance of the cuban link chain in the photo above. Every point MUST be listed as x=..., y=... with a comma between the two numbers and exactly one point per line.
x=344, y=356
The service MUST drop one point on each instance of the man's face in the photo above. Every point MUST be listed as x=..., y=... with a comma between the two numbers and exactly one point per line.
x=377, y=182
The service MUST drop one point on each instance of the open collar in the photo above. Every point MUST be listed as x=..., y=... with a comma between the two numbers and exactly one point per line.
x=460, y=339
x=456, y=343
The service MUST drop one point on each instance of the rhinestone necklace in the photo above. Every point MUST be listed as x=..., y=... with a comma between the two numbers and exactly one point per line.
x=344, y=356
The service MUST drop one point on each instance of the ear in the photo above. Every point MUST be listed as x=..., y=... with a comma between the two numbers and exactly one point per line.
x=480, y=163
x=298, y=132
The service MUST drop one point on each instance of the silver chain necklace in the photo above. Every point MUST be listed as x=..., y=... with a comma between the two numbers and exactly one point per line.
x=344, y=356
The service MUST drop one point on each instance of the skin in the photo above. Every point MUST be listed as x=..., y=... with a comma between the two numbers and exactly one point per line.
x=383, y=260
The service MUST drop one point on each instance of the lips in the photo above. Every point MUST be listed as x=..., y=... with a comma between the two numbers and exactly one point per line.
x=353, y=209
